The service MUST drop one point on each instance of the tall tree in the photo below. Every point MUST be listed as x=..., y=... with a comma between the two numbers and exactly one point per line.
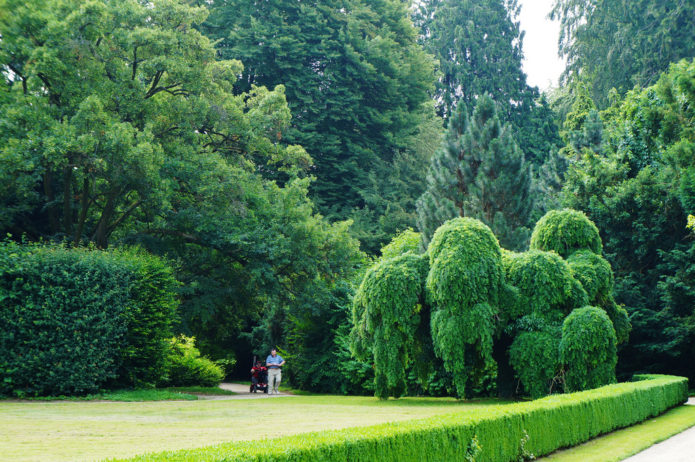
x=479, y=48
x=622, y=43
x=356, y=81
x=479, y=172
x=637, y=185
x=119, y=126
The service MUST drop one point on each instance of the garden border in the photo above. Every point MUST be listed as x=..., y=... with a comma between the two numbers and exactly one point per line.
x=503, y=433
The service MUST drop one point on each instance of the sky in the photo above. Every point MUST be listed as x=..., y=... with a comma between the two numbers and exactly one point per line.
x=541, y=62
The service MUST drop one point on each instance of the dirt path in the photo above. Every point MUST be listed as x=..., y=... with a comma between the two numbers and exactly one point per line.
x=242, y=392
x=678, y=448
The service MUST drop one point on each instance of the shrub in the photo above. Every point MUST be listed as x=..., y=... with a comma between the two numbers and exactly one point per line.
x=545, y=284
x=463, y=288
x=407, y=241
x=498, y=434
x=76, y=320
x=535, y=357
x=588, y=349
x=185, y=366
x=391, y=298
x=565, y=232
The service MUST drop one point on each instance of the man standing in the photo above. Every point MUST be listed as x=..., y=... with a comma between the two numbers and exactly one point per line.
x=274, y=363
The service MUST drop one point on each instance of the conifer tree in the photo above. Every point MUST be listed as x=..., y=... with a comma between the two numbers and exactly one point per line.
x=479, y=172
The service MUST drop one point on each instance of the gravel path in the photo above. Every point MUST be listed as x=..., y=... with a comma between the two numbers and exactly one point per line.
x=242, y=392
x=678, y=448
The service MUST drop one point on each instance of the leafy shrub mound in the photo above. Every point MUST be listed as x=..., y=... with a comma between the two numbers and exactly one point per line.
x=588, y=348
x=504, y=433
x=76, y=320
x=185, y=366
x=463, y=287
x=389, y=304
x=564, y=232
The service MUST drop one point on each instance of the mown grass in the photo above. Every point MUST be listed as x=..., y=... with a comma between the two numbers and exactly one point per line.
x=157, y=394
x=624, y=443
x=99, y=430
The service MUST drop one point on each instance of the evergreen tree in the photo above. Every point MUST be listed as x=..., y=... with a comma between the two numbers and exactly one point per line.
x=356, y=81
x=479, y=172
x=622, y=43
x=479, y=48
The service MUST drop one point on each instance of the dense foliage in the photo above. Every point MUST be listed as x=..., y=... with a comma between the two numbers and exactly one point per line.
x=564, y=232
x=76, y=320
x=635, y=183
x=185, y=367
x=498, y=433
x=622, y=43
x=388, y=312
x=588, y=349
x=478, y=172
x=357, y=84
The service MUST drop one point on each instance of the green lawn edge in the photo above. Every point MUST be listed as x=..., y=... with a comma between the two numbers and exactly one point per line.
x=627, y=442
x=155, y=394
x=551, y=423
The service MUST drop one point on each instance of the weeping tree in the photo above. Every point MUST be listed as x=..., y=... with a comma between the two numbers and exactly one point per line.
x=463, y=287
x=387, y=313
x=546, y=293
x=527, y=315
x=572, y=235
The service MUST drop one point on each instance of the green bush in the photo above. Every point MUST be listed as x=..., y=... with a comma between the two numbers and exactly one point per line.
x=535, y=357
x=77, y=320
x=390, y=301
x=185, y=366
x=545, y=284
x=564, y=232
x=407, y=241
x=588, y=349
x=498, y=434
x=464, y=285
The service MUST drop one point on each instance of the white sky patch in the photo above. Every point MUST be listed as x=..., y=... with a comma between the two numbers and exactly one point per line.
x=541, y=61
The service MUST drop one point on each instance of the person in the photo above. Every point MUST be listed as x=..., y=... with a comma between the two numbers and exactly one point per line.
x=257, y=373
x=274, y=363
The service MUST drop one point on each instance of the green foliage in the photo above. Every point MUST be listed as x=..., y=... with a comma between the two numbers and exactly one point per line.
x=634, y=186
x=79, y=319
x=406, y=242
x=501, y=433
x=185, y=366
x=545, y=286
x=463, y=288
x=564, y=232
x=388, y=310
x=357, y=83
x=535, y=357
x=479, y=172
x=588, y=349
x=617, y=44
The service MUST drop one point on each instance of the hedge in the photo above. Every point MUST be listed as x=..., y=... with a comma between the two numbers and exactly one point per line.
x=76, y=320
x=503, y=432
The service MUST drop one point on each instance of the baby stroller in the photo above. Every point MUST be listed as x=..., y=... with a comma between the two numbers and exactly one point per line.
x=259, y=378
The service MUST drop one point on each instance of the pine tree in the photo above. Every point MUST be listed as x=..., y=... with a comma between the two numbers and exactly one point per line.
x=479, y=172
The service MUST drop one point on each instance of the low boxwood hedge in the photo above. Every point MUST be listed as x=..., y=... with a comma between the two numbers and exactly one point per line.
x=502, y=433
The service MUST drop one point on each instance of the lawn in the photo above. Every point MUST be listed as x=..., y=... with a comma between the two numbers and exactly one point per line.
x=95, y=430
x=622, y=444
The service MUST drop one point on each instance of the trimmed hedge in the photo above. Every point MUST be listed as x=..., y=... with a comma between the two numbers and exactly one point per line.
x=503, y=432
x=77, y=320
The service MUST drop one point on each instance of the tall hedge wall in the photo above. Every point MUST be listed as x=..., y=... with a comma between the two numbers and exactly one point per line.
x=75, y=320
x=546, y=424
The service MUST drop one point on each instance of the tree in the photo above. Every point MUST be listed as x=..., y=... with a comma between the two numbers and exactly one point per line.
x=356, y=80
x=479, y=48
x=119, y=126
x=636, y=187
x=479, y=172
x=623, y=43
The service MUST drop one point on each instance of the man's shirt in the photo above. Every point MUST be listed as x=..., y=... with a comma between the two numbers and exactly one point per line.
x=273, y=363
